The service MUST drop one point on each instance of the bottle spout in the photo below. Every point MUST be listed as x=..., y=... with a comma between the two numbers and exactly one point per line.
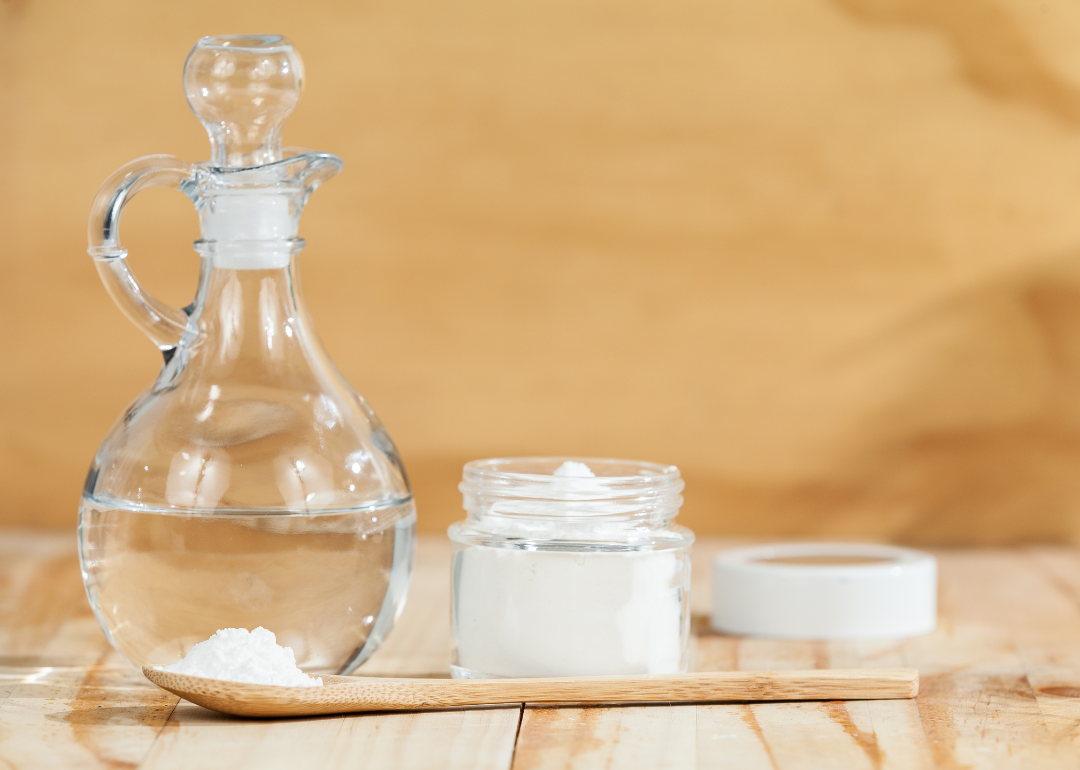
x=250, y=217
x=242, y=87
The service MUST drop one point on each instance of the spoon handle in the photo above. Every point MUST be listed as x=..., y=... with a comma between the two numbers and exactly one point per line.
x=843, y=684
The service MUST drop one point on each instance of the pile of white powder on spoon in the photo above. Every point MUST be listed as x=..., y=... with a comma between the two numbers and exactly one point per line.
x=237, y=655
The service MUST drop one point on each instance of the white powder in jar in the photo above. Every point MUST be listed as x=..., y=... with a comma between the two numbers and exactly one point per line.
x=574, y=469
x=525, y=612
x=237, y=655
x=549, y=613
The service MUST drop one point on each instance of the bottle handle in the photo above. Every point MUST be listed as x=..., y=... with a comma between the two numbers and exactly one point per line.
x=162, y=323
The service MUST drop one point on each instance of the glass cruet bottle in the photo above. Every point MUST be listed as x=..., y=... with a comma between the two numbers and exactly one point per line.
x=250, y=485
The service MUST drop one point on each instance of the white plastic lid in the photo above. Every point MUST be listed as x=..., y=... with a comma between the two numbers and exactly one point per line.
x=826, y=591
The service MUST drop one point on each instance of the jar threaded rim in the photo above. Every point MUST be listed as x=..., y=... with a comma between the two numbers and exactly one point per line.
x=527, y=487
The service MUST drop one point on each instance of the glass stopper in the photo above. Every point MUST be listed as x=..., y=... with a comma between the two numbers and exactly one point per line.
x=243, y=87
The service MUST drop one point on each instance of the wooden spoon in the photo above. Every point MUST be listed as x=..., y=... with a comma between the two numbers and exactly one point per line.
x=344, y=694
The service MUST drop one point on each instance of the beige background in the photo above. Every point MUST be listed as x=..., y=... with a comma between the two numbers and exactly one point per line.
x=823, y=255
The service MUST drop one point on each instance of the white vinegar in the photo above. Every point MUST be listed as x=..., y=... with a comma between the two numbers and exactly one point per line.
x=329, y=584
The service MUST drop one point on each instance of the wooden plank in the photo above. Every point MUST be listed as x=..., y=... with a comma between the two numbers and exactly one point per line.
x=766, y=654
x=40, y=589
x=792, y=735
x=1046, y=638
x=662, y=737
x=197, y=738
x=836, y=734
x=479, y=738
x=896, y=725
x=71, y=701
x=104, y=717
x=977, y=705
x=896, y=728
x=729, y=736
x=475, y=739
x=814, y=735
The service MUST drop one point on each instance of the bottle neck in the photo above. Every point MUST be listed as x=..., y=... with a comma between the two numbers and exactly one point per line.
x=257, y=318
x=249, y=255
x=250, y=229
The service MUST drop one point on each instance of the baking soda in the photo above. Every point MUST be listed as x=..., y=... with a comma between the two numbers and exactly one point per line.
x=574, y=469
x=237, y=655
x=550, y=613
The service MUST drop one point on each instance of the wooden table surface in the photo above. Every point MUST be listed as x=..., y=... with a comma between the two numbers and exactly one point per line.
x=1000, y=688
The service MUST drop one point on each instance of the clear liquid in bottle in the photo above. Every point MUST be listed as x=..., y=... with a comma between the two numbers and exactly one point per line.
x=328, y=584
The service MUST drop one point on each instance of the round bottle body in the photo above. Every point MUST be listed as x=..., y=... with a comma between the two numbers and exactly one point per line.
x=249, y=486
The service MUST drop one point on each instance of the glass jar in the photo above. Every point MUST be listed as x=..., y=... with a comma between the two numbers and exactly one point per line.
x=570, y=567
